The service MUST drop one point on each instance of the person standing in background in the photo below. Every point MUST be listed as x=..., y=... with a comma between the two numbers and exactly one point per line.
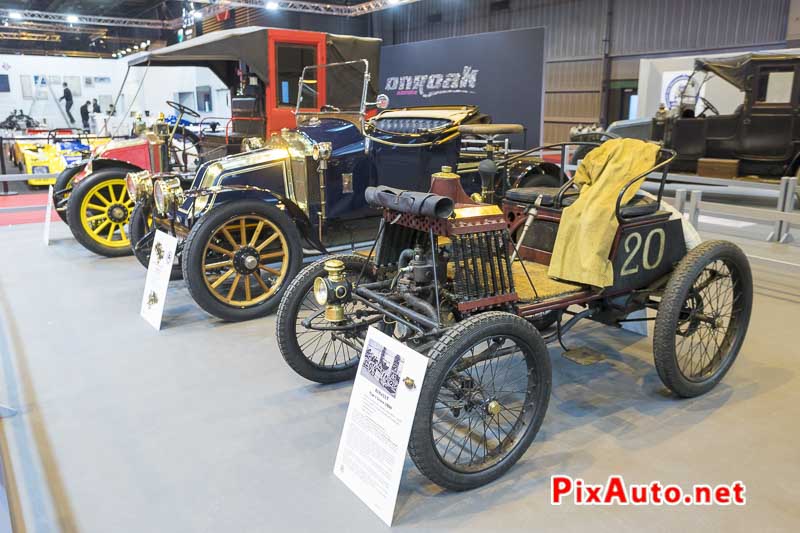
x=67, y=97
x=95, y=106
x=85, y=115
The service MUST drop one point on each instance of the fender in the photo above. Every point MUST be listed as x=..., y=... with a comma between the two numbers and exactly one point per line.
x=227, y=193
x=93, y=165
x=524, y=169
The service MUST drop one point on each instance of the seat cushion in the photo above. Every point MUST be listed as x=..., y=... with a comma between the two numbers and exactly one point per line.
x=639, y=205
x=529, y=195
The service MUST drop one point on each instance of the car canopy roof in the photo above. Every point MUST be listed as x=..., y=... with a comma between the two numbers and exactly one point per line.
x=222, y=50
x=736, y=69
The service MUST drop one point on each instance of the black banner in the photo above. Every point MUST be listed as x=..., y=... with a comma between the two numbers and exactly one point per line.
x=501, y=72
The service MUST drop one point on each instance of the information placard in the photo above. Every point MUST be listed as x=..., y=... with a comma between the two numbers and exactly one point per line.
x=373, y=445
x=158, y=271
x=48, y=216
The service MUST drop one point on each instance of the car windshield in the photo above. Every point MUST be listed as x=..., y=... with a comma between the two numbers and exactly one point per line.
x=694, y=89
x=345, y=88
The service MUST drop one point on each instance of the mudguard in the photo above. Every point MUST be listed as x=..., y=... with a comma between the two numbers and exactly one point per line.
x=229, y=193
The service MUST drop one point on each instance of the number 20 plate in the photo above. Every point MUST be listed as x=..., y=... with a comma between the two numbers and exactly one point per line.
x=645, y=253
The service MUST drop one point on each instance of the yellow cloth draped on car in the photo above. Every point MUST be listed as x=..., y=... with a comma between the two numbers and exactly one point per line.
x=587, y=228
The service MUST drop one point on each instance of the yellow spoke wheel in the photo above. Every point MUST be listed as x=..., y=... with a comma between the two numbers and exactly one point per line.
x=239, y=258
x=244, y=261
x=106, y=210
x=99, y=211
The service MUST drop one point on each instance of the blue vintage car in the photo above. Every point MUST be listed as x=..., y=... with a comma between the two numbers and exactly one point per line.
x=246, y=221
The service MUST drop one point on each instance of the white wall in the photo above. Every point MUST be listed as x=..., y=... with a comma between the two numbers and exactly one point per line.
x=719, y=92
x=160, y=84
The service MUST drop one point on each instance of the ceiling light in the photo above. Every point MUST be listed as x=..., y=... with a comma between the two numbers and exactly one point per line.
x=143, y=45
x=114, y=55
x=72, y=19
x=128, y=50
x=135, y=46
x=148, y=42
x=15, y=15
x=272, y=5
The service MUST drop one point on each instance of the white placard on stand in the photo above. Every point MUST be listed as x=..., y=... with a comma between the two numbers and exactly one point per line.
x=48, y=216
x=373, y=445
x=158, y=271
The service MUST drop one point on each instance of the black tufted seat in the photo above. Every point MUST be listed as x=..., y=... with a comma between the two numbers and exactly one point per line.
x=410, y=125
x=639, y=205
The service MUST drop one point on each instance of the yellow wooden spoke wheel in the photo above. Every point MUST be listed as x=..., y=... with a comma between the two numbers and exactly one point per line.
x=98, y=213
x=238, y=258
x=106, y=210
x=245, y=260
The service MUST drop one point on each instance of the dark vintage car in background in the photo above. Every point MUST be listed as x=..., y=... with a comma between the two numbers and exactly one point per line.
x=247, y=220
x=761, y=137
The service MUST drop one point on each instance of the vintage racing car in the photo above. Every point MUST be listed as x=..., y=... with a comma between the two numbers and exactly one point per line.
x=53, y=156
x=446, y=278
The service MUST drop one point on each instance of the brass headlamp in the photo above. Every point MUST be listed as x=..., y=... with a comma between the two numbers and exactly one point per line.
x=139, y=185
x=167, y=195
x=332, y=291
x=321, y=151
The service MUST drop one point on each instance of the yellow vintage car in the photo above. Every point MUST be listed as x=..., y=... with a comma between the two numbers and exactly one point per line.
x=50, y=158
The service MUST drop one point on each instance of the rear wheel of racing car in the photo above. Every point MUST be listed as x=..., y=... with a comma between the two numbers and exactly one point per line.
x=239, y=258
x=142, y=235
x=63, y=188
x=98, y=212
x=322, y=356
x=482, y=402
x=702, y=318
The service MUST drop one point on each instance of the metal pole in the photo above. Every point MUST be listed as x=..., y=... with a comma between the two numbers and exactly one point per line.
x=680, y=200
x=694, y=207
x=786, y=200
x=5, y=191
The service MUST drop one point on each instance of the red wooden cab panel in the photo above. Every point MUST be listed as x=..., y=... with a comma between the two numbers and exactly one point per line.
x=279, y=117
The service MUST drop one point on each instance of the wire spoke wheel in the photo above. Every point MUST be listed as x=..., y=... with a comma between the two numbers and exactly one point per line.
x=244, y=261
x=482, y=402
x=483, y=408
x=702, y=318
x=707, y=326
x=315, y=348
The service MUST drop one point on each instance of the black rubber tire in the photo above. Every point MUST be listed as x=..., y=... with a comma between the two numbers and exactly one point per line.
x=444, y=354
x=286, y=330
x=138, y=228
x=672, y=302
x=201, y=232
x=74, y=214
x=64, y=183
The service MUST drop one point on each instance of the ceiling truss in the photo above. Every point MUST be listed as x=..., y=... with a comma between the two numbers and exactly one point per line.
x=57, y=21
x=363, y=8
x=86, y=20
